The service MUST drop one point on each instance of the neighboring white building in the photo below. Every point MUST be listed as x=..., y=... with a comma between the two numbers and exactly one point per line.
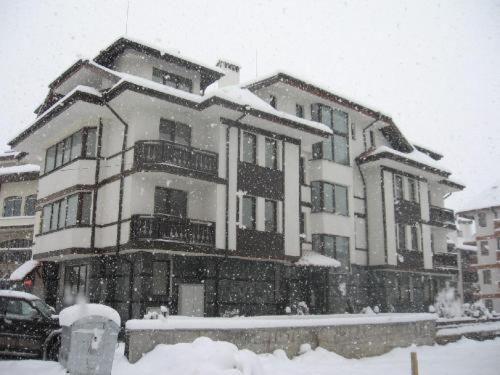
x=18, y=188
x=485, y=211
x=158, y=189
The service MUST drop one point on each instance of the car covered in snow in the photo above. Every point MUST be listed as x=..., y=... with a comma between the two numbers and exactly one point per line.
x=28, y=327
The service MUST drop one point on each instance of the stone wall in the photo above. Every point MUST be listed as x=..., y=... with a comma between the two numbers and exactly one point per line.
x=351, y=341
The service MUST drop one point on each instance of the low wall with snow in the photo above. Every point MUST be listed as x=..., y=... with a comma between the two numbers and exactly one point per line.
x=352, y=336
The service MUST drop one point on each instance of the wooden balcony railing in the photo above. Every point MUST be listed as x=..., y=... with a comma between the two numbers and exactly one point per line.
x=157, y=153
x=174, y=229
x=442, y=216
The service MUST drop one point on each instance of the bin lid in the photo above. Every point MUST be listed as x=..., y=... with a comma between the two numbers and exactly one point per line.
x=82, y=310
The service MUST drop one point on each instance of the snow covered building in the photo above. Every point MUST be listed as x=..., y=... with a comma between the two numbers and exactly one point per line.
x=165, y=181
x=18, y=186
x=485, y=211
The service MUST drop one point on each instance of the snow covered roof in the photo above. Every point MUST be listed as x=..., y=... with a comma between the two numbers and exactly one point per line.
x=10, y=154
x=23, y=270
x=19, y=169
x=82, y=310
x=17, y=294
x=487, y=198
x=312, y=258
x=419, y=159
x=426, y=150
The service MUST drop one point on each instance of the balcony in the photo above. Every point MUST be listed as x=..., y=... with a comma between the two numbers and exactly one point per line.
x=176, y=158
x=410, y=259
x=445, y=261
x=442, y=217
x=164, y=228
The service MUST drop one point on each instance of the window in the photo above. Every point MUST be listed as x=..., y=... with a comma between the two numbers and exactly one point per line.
x=18, y=309
x=249, y=148
x=353, y=131
x=67, y=212
x=414, y=238
x=272, y=101
x=337, y=147
x=336, y=247
x=19, y=243
x=498, y=243
x=398, y=188
x=271, y=154
x=487, y=277
x=71, y=148
x=299, y=110
x=29, y=205
x=401, y=234
x=413, y=190
x=160, y=277
x=172, y=80
x=372, y=139
x=75, y=282
x=302, y=219
x=12, y=206
x=175, y=132
x=485, y=249
x=248, y=212
x=270, y=216
x=302, y=170
x=481, y=219
x=170, y=202
x=330, y=198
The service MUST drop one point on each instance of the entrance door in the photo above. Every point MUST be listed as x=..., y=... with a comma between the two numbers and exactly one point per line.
x=191, y=299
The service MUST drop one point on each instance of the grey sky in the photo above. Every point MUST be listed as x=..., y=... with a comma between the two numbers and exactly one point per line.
x=433, y=66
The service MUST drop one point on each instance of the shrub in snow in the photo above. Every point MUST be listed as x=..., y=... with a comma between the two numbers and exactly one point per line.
x=376, y=309
x=477, y=310
x=304, y=348
x=288, y=310
x=231, y=313
x=302, y=308
x=447, y=304
x=367, y=310
x=432, y=310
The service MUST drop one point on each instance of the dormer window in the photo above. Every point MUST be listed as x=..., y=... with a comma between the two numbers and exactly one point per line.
x=172, y=80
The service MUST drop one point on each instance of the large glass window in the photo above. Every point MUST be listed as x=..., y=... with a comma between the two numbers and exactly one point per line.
x=401, y=234
x=487, y=277
x=299, y=110
x=414, y=238
x=75, y=282
x=337, y=147
x=29, y=205
x=329, y=198
x=336, y=247
x=172, y=80
x=481, y=218
x=412, y=187
x=398, y=187
x=485, y=249
x=170, y=202
x=67, y=212
x=249, y=148
x=271, y=153
x=270, y=216
x=12, y=206
x=71, y=148
x=248, y=212
x=175, y=132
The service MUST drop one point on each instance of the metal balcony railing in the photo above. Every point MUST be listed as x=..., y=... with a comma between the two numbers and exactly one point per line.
x=445, y=261
x=174, y=229
x=169, y=153
x=440, y=215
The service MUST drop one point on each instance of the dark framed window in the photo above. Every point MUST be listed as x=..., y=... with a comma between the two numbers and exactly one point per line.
x=398, y=187
x=12, y=206
x=170, y=202
x=414, y=237
x=401, y=236
x=172, y=80
x=270, y=213
x=487, y=277
x=485, y=249
x=249, y=146
x=329, y=198
x=498, y=243
x=337, y=147
x=299, y=110
x=413, y=190
x=248, y=212
x=75, y=282
x=481, y=219
x=302, y=219
x=273, y=101
x=176, y=132
x=302, y=170
x=336, y=247
x=271, y=154
x=83, y=143
x=353, y=131
x=160, y=277
x=372, y=139
x=73, y=210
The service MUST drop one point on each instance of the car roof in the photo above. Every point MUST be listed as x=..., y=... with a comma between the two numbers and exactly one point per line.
x=18, y=294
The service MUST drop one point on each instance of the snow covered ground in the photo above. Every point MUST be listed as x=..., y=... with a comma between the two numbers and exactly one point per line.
x=206, y=357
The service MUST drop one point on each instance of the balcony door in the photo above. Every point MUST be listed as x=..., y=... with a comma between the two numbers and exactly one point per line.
x=176, y=132
x=191, y=299
x=170, y=202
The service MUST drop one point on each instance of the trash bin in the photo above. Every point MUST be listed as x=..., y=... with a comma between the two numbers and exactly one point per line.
x=88, y=339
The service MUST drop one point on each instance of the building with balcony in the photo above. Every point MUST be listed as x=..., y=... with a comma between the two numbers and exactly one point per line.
x=18, y=189
x=167, y=182
x=484, y=210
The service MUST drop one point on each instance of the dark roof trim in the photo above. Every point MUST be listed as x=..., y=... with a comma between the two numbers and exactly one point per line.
x=310, y=88
x=68, y=72
x=20, y=176
x=432, y=154
x=70, y=100
x=13, y=156
x=401, y=159
x=452, y=184
x=396, y=138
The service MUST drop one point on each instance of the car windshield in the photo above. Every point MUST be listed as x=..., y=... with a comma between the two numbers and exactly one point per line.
x=42, y=307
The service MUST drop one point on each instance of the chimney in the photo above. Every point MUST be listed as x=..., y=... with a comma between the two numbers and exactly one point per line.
x=231, y=71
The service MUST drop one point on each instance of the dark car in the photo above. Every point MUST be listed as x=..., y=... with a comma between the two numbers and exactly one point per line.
x=28, y=327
